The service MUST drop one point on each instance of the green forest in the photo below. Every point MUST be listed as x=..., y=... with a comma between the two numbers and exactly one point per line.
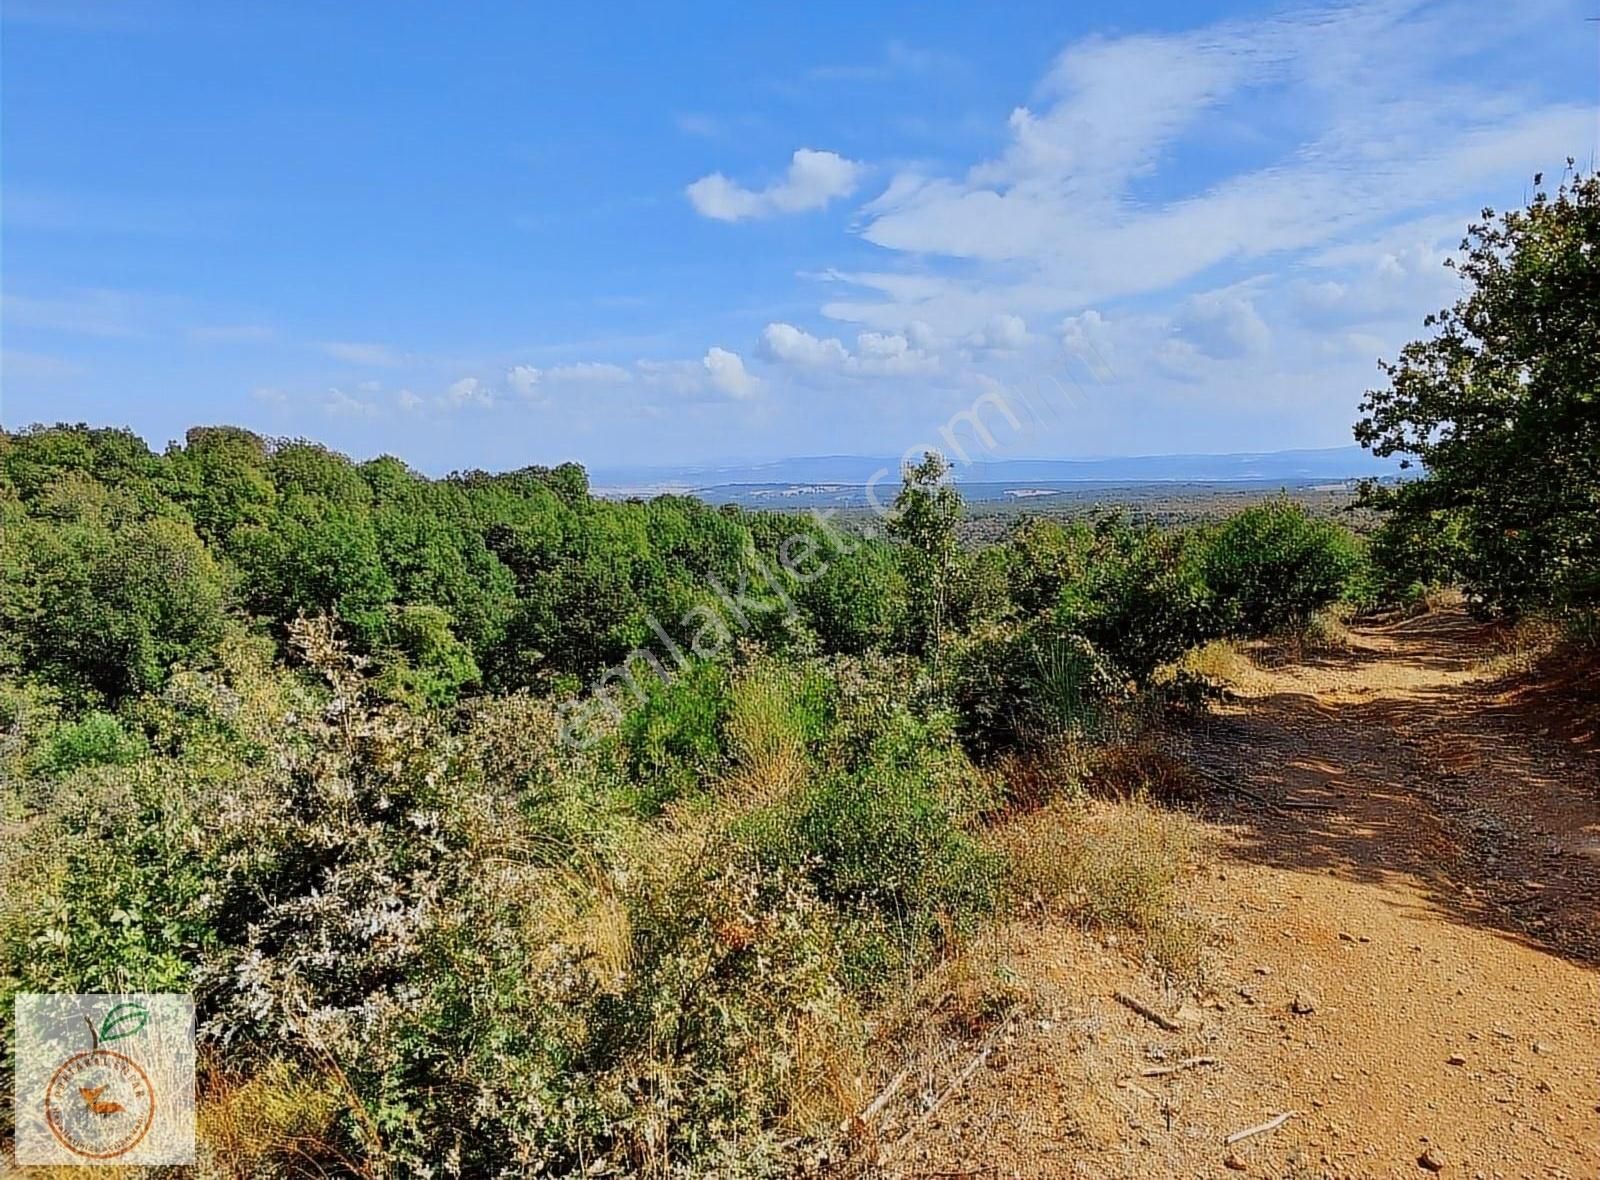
x=499, y=829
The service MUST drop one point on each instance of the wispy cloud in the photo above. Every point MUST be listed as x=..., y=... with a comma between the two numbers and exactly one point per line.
x=361, y=353
x=1061, y=217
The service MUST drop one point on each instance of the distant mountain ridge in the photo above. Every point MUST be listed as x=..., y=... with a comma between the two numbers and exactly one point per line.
x=856, y=471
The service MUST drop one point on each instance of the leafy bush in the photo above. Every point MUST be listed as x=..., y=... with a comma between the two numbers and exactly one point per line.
x=1141, y=600
x=95, y=739
x=1271, y=567
x=674, y=737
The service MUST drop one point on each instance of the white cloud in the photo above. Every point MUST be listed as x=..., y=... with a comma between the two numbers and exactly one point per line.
x=1223, y=324
x=876, y=353
x=1065, y=217
x=1086, y=337
x=468, y=391
x=356, y=352
x=524, y=380
x=1003, y=333
x=814, y=178
x=408, y=402
x=341, y=404
x=728, y=373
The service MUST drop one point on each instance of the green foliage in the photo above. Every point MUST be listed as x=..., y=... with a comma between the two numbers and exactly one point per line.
x=1500, y=406
x=859, y=602
x=1271, y=567
x=108, y=611
x=1141, y=600
x=674, y=737
x=424, y=662
x=924, y=518
x=95, y=739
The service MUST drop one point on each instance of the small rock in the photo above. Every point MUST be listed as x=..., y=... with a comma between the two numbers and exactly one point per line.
x=1540, y=1047
x=1455, y=1059
x=1433, y=1159
x=1304, y=1004
x=1346, y=936
x=1233, y=1162
x=1263, y=970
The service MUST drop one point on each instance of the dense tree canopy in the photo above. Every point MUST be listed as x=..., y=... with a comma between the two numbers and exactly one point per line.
x=1500, y=406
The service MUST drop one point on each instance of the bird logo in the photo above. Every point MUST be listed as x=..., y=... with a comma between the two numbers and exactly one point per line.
x=91, y=1097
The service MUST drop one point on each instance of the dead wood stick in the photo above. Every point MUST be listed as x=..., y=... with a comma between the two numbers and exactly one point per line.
x=1159, y=1019
x=1271, y=1124
x=875, y=1107
x=959, y=1080
x=1162, y=1071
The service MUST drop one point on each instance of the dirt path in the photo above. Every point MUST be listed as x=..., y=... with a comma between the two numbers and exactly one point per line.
x=1406, y=855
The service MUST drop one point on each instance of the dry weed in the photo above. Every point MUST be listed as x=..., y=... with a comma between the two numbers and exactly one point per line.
x=1114, y=867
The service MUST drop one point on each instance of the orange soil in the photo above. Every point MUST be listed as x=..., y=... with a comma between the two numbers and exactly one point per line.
x=1431, y=891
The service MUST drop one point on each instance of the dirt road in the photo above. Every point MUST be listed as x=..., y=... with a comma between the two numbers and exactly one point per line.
x=1407, y=900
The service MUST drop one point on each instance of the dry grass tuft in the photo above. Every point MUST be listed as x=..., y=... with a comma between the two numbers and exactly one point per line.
x=1521, y=647
x=1113, y=867
x=1225, y=663
x=1032, y=778
x=278, y=1116
x=1141, y=769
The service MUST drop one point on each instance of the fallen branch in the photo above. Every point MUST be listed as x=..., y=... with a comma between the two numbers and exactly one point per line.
x=1271, y=1124
x=1162, y=1071
x=1160, y=1019
x=875, y=1107
x=959, y=1080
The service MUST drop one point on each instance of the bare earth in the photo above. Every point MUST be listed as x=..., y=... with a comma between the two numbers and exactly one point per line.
x=1417, y=859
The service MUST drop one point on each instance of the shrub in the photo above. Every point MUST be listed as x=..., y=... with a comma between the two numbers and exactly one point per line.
x=1141, y=600
x=95, y=739
x=674, y=736
x=1271, y=567
x=858, y=602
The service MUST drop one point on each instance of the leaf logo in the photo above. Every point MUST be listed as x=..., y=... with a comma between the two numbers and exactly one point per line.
x=124, y=1020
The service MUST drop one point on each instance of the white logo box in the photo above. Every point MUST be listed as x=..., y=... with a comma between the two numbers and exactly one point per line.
x=104, y=1079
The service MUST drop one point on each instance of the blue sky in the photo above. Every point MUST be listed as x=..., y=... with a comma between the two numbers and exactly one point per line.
x=484, y=235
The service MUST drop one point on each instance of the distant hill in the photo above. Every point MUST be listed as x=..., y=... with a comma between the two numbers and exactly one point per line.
x=843, y=479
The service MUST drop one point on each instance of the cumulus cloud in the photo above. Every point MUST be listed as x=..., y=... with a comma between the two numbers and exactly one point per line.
x=1223, y=325
x=883, y=354
x=1087, y=337
x=468, y=391
x=728, y=374
x=1002, y=333
x=814, y=178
